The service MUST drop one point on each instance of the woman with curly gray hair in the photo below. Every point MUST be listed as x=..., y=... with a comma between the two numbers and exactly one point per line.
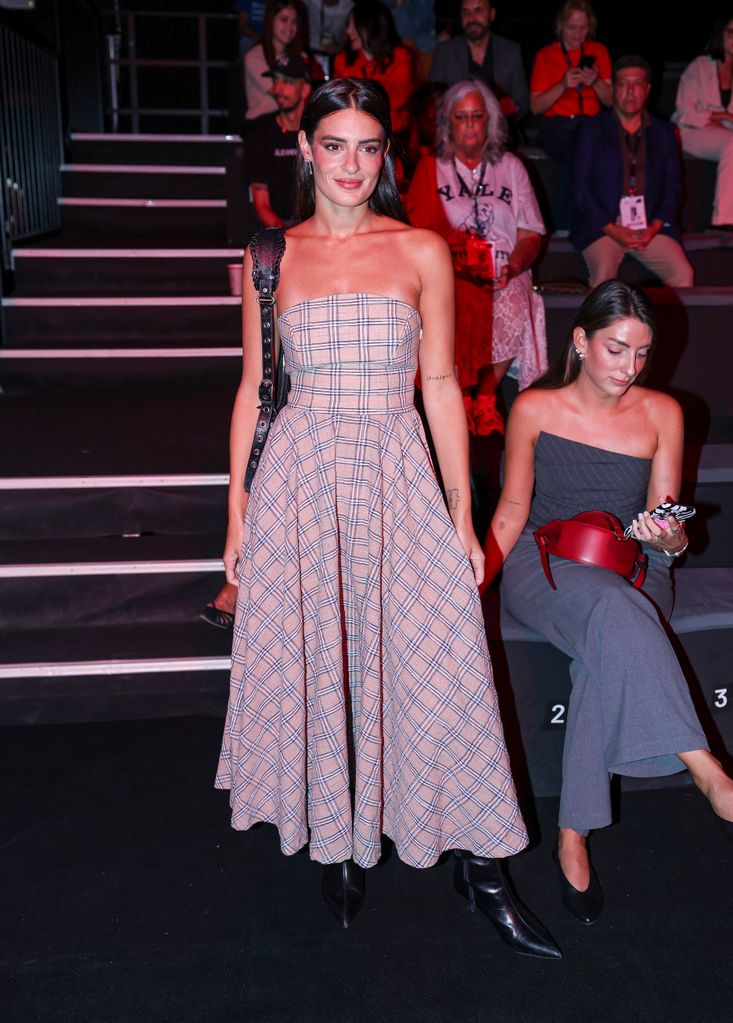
x=479, y=198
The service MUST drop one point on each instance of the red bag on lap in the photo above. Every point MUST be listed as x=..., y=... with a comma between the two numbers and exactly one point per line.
x=591, y=538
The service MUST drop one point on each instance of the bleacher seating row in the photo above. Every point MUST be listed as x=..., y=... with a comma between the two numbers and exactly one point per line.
x=119, y=369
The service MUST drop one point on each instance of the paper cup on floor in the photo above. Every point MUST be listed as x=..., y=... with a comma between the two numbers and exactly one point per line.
x=235, y=278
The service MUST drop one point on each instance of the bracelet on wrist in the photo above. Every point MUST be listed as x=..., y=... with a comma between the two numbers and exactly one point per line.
x=680, y=552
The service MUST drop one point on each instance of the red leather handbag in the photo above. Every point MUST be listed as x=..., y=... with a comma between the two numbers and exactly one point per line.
x=592, y=538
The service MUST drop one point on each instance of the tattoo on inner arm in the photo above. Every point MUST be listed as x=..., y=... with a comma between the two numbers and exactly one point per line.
x=509, y=501
x=439, y=376
x=453, y=497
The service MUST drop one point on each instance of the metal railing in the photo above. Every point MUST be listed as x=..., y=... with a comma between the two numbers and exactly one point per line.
x=30, y=141
x=201, y=63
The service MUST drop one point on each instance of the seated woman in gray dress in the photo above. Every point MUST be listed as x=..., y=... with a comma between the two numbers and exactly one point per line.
x=587, y=436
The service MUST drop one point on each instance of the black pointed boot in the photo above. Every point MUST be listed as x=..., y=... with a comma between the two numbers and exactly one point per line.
x=484, y=883
x=343, y=889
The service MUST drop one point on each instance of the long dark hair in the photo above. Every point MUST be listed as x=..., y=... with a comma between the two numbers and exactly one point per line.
x=374, y=23
x=714, y=47
x=349, y=94
x=298, y=45
x=611, y=301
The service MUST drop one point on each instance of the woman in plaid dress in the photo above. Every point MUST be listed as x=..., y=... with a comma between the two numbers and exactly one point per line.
x=362, y=700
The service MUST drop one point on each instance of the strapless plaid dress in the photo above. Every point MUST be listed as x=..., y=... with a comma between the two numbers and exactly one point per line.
x=362, y=701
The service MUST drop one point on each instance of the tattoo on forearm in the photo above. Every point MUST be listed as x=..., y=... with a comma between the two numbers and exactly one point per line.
x=509, y=501
x=439, y=376
x=453, y=497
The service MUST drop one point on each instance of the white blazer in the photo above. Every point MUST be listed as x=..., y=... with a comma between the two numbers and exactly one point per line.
x=698, y=93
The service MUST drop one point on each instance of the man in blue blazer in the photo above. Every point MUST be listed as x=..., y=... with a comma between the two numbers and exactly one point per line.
x=480, y=53
x=626, y=173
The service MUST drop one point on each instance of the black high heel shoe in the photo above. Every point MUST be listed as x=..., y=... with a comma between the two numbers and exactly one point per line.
x=483, y=882
x=343, y=888
x=585, y=906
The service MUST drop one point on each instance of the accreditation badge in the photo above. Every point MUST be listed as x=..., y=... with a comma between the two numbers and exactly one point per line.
x=632, y=212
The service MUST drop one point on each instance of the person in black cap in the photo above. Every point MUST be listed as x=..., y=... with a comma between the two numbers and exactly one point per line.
x=270, y=149
x=271, y=143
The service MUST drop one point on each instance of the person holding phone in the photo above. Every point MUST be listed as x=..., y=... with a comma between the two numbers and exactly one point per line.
x=571, y=80
x=587, y=435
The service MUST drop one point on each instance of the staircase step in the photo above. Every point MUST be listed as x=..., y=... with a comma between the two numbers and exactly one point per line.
x=189, y=219
x=711, y=467
x=27, y=371
x=98, y=673
x=141, y=321
x=35, y=373
x=51, y=510
x=51, y=271
x=72, y=555
x=112, y=433
x=122, y=597
x=148, y=181
x=69, y=242
x=151, y=148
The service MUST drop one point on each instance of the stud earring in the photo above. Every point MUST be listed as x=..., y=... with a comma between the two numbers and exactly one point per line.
x=581, y=355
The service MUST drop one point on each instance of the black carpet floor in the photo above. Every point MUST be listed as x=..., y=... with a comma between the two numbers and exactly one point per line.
x=127, y=897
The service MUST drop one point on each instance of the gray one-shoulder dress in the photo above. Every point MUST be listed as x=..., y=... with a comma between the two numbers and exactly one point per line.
x=630, y=711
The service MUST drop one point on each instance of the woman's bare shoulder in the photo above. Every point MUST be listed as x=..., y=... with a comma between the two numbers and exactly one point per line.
x=424, y=245
x=536, y=402
x=662, y=410
x=533, y=411
x=657, y=403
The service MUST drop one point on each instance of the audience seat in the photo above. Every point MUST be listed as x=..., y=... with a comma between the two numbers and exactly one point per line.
x=698, y=182
x=534, y=687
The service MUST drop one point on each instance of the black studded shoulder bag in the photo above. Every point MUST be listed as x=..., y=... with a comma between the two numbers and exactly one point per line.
x=267, y=248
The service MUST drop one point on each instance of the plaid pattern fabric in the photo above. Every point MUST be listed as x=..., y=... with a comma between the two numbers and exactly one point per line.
x=359, y=635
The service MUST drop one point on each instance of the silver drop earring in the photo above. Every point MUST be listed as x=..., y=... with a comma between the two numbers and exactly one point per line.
x=581, y=355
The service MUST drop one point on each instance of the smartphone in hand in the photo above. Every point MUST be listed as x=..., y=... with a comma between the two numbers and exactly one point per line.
x=663, y=511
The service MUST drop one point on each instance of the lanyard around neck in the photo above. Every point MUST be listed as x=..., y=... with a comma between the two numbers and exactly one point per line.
x=569, y=63
x=474, y=193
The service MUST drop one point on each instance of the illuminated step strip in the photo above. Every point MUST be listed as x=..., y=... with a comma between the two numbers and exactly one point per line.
x=182, y=204
x=140, y=168
x=130, y=253
x=143, y=666
x=130, y=301
x=105, y=482
x=99, y=568
x=105, y=136
x=30, y=354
